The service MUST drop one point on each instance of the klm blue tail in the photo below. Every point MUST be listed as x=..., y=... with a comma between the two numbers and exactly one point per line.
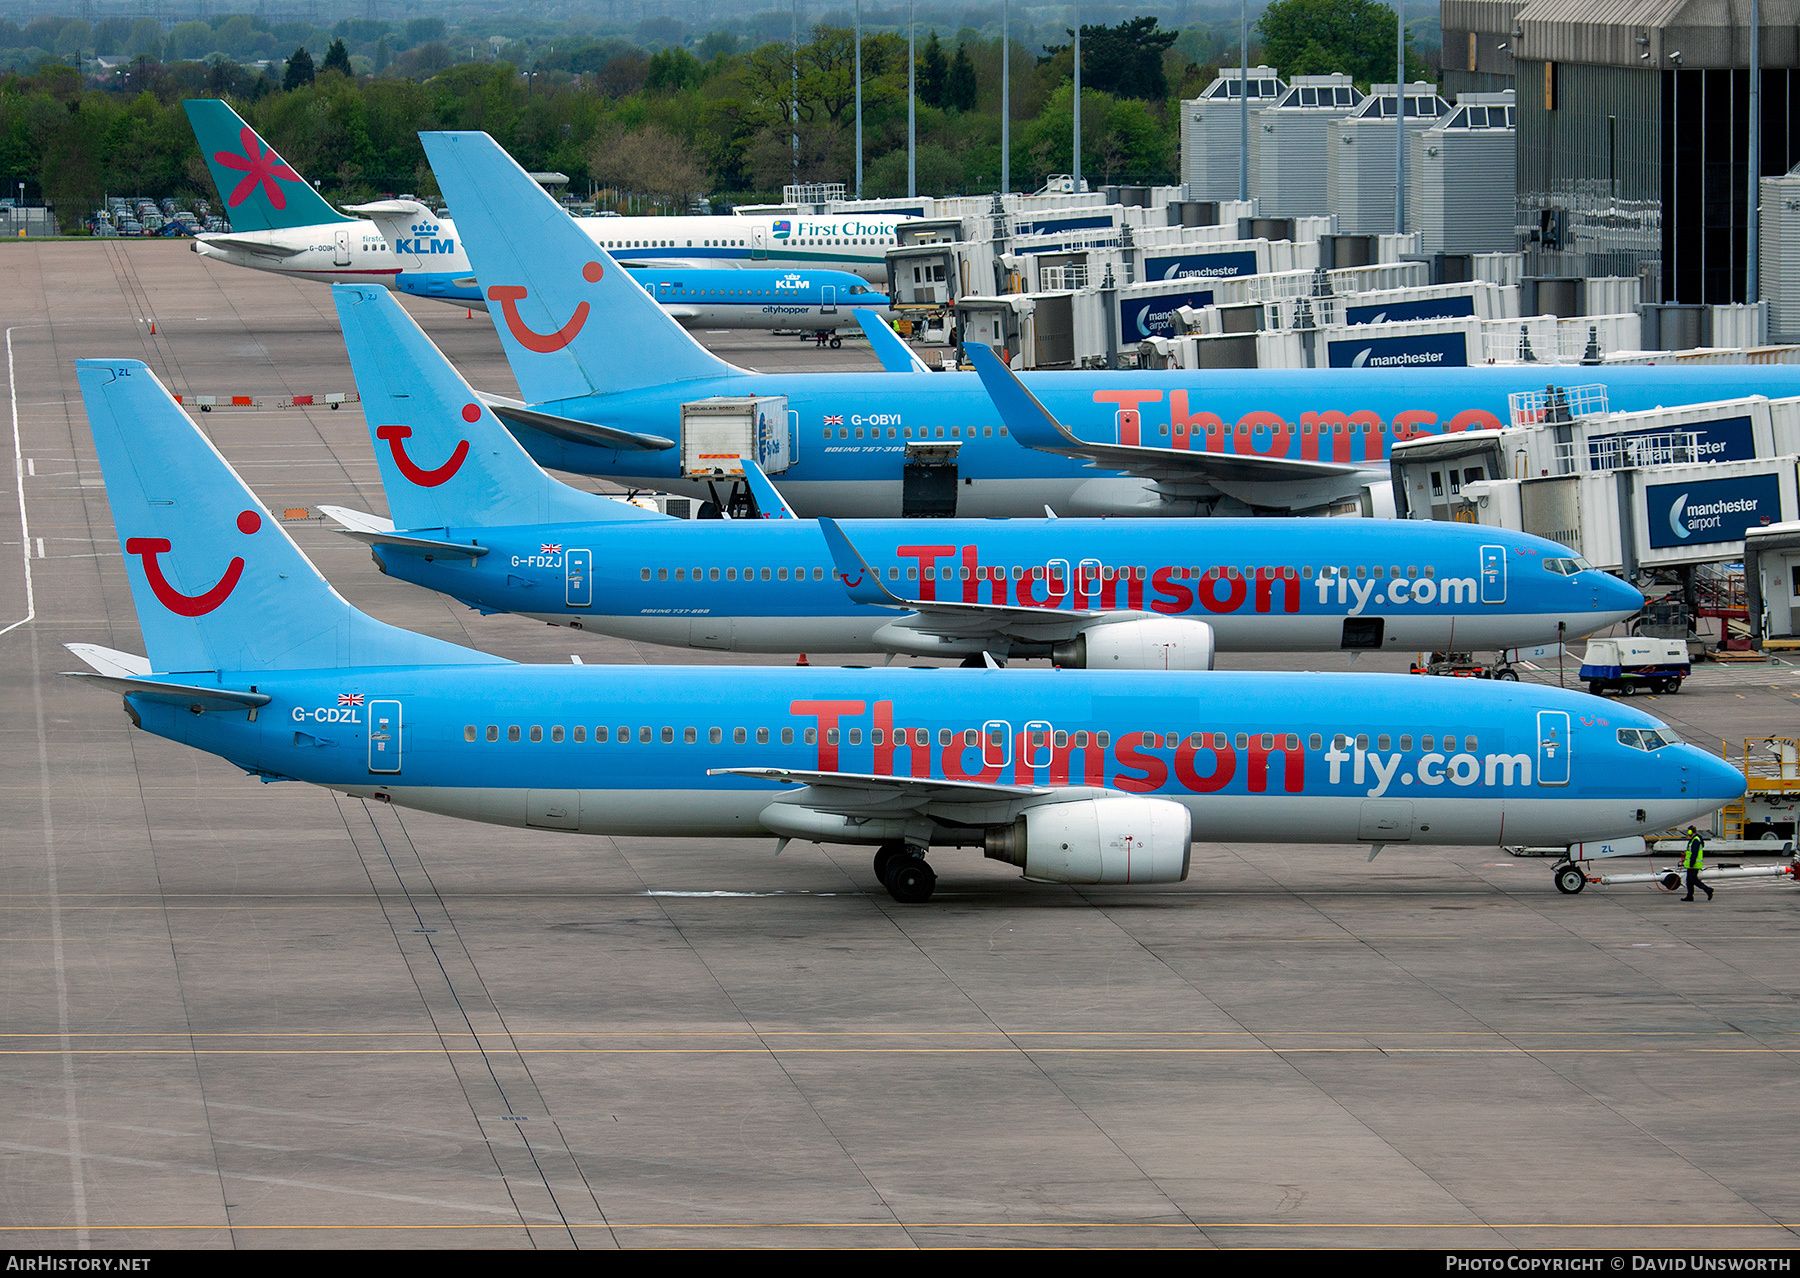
x=445, y=460
x=258, y=189
x=572, y=321
x=218, y=584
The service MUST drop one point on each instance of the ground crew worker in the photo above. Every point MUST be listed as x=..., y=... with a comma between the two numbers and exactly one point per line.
x=1693, y=861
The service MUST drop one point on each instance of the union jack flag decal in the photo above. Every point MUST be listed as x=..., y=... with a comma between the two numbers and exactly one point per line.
x=350, y=698
x=546, y=548
x=835, y=421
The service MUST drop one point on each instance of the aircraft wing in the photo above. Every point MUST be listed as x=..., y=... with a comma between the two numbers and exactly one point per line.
x=1033, y=426
x=377, y=531
x=579, y=432
x=769, y=501
x=955, y=619
x=858, y=794
x=258, y=247
x=895, y=355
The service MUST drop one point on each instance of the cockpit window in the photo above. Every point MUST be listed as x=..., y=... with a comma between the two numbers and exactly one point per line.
x=1647, y=738
x=858, y=288
x=1567, y=567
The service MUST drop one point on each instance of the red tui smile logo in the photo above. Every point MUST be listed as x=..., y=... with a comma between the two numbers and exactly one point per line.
x=509, y=296
x=424, y=478
x=148, y=548
x=259, y=167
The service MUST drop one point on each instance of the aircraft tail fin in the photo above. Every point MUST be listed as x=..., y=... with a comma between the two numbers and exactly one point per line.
x=446, y=461
x=258, y=190
x=572, y=321
x=893, y=352
x=218, y=583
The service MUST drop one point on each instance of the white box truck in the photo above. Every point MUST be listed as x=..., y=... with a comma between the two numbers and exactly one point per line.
x=718, y=433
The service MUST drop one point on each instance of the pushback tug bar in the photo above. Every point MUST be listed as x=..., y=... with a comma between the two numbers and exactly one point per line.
x=1670, y=880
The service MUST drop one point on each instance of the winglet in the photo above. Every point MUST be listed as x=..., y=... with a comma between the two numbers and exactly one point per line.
x=1028, y=420
x=861, y=582
x=895, y=355
x=770, y=504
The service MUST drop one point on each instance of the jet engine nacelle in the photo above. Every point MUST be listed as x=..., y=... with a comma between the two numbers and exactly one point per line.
x=1110, y=840
x=1154, y=643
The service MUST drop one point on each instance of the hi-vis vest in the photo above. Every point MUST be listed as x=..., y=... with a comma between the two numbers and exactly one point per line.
x=1696, y=854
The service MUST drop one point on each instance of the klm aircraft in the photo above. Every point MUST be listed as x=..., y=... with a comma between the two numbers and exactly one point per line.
x=586, y=350
x=1074, y=776
x=473, y=516
x=281, y=224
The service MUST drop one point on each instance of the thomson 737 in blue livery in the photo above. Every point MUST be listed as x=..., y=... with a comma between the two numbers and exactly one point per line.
x=473, y=516
x=607, y=377
x=1075, y=776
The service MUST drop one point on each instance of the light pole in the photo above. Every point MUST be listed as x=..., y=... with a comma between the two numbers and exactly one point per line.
x=1753, y=250
x=1244, y=100
x=1005, y=99
x=1399, y=119
x=859, y=144
x=912, y=99
x=794, y=96
x=1077, y=173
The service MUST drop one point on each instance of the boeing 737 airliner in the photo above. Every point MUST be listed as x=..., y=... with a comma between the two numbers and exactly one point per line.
x=1075, y=776
x=586, y=349
x=280, y=224
x=473, y=516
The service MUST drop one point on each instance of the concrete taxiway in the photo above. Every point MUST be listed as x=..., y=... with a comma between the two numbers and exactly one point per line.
x=247, y=1015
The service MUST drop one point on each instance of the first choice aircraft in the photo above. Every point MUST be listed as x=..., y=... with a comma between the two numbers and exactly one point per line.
x=1074, y=776
x=473, y=516
x=281, y=224
x=607, y=378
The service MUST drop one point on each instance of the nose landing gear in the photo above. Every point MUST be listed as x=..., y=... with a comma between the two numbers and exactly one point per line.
x=1570, y=879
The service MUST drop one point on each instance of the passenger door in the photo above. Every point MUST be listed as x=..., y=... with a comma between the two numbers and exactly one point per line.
x=384, y=736
x=578, y=578
x=342, y=256
x=759, y=243
x=1493, y=574
x=1553, y=747
x=829, y=305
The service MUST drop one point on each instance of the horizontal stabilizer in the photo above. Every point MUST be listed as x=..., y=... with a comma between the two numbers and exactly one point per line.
x=893, y=352
x=259, y=247
x=579, y=432
x=376, y=531
x=770, y=504
x=110, y=661
x=176, y=694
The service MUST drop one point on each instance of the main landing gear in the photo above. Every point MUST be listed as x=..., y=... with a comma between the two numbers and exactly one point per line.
x=904, y=873
x=1570, y=878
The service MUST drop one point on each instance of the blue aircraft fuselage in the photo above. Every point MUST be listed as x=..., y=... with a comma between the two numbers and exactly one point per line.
x=853, y=432
x=1263, y=585
x=1264, y=757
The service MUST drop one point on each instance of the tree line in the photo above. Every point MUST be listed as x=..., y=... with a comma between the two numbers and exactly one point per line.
x=665, y=125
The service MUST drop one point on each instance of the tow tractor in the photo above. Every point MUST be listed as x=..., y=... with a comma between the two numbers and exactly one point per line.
x=1463, y=665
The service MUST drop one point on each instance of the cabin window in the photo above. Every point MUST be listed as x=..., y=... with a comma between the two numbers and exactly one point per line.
x=787, y=736
x=831, y=736
x=731, y=574
x=644, y=736
x=556, y=734
x=856, y=736
x=943, y=736
x=512, y=732
x=762, y=736
x=1340, y=741
x=1471, y=744
x=600, y=734
x=1405, y=742
x=681, y=574
x=1103, y=739
x=1315, y=741
x=662, y=574
x=688, y=735
x=765, y=574
x=1428, y=742
x=1243, y=741
x=712, y=574
x=818, y=574
x=580, y=733
x=1384, y=742
x=875, y=736
x=781, y=574
x=469, y=733
x=738, y=736
x=643, y=574
x=1430, y=571
x=1081, y=740
x=1362, y=741
x=1060, y=740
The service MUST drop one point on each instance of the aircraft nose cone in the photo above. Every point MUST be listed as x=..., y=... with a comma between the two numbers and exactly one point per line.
x=1615, y=600
x=1713, y=778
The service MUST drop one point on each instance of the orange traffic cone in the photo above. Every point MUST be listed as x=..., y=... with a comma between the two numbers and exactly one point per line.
x=803, y=661
x=469, y=314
